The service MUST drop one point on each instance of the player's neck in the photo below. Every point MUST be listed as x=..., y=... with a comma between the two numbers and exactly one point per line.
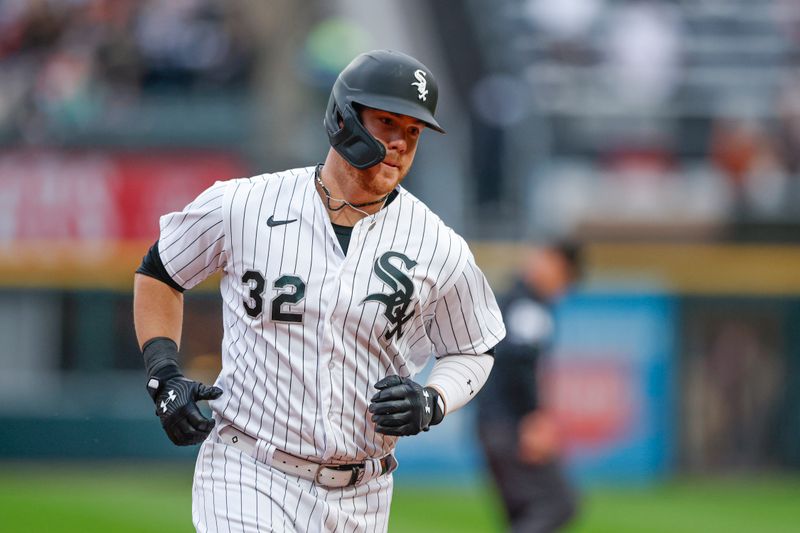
x=346, y=201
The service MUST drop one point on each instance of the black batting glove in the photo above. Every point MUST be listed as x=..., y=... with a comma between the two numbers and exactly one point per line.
x=403, y=407
x=177, y=408
x=175, y=396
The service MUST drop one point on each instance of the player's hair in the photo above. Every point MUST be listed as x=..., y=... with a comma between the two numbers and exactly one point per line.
x=573, y=254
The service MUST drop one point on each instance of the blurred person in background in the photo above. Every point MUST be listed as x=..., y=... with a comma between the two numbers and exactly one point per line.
x=519, y=437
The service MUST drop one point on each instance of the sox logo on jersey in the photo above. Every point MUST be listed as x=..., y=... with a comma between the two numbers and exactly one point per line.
x=308, y=330
x=396, y=304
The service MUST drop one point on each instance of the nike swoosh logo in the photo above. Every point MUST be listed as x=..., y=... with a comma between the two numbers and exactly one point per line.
x=271, y=222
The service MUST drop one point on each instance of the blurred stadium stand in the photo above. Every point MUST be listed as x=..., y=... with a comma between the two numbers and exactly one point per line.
x=669, y=112
x=664, y=134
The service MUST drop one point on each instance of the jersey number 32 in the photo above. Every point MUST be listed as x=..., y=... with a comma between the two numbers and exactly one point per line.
x=291, y=290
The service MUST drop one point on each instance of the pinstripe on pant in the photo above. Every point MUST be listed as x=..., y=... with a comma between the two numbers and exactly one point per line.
x=232, y=492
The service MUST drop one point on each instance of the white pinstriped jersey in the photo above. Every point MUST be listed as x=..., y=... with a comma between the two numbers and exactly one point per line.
x=309, y=330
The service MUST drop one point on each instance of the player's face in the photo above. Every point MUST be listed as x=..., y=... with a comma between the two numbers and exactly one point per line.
x=399, y=134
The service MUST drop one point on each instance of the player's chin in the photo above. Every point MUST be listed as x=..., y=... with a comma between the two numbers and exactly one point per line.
x=381, y=179
x=390, y=175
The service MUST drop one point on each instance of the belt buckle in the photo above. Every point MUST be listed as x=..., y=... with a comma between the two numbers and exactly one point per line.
x=357, y=471
x=319, y=476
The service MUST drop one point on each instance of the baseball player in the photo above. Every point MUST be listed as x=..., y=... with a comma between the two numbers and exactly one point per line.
x=338, y=286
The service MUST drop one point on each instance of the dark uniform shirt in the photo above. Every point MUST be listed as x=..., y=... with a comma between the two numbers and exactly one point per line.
x=511, y=391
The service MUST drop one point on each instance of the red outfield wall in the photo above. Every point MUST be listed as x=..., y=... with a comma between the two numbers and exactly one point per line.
x=84, y=219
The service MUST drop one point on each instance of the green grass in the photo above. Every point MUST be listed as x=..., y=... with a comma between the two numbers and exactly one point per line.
x=151, y=497
x=758, y=505
x=83, y=498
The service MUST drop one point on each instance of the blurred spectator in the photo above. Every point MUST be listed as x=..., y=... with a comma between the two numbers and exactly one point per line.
x=734, y=378
x=31, y=26
x=643, y=52
x=788, y=111
x=566, y=26
x=519, y=436
x=65, y=63
x=748, y=156
x=786, y=17
x=745, y=376
x=119, y=62
x=566, y=20
x=186, y=42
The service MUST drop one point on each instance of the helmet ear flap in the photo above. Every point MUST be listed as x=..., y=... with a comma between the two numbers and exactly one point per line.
x=351, y=140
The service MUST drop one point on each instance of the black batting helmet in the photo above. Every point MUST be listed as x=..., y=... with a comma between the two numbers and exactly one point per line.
x=381, y=79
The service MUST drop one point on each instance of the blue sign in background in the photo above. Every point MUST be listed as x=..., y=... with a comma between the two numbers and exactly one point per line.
x=632, y=332
x=638, y=333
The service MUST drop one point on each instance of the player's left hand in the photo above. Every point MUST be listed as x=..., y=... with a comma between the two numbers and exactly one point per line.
x=180, y=417
x=404, y=407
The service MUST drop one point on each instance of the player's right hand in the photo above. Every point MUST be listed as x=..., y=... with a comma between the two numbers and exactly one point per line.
x=177, y=408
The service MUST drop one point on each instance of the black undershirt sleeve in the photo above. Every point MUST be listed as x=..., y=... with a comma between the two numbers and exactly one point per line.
x=153, y=267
